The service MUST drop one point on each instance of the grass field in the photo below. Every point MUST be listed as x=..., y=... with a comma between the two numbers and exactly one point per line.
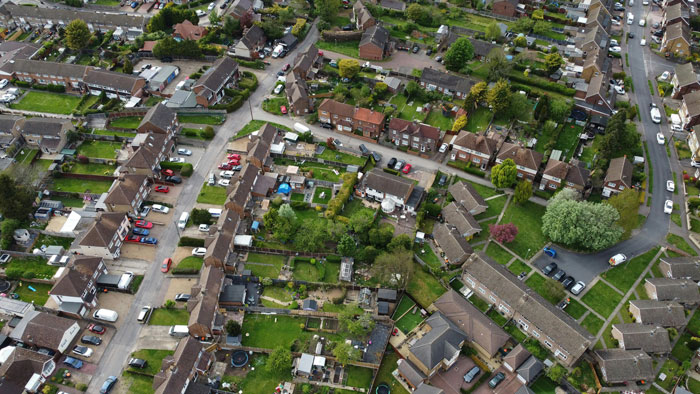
x=261, y=379
x=69, y=201
x=114, y=133
x=544, y=385
x=269, y=267
x=592, y=323
x=528, y=218
x=269, y=331
x=80, y=185
x=496, y=252
x=327, y=195
x=347, y=48
x=341, y=157
x=153, y=358
x=54, y=103
x=39, y=297
x=126, y=122
x=517, y=266
x=201, y=119
x=437, y=119
x=309, y=272
x=191, y=262
x=92, y=169
x=359, y=377
x=409, y=321
x=623, y=276
x=479, y=120
x=169, y=317
x=255, y=125
x=681, y=244
x=404, y=305
x=215, y=195
x=495, y=207
x=37, y=265
x=99, y=149
x=425, y=252
x=137, y=384
x=551, y=290
x=49, y=240
x=602, y=299
x=424, y=287
x=575, y=309
x=384, y=374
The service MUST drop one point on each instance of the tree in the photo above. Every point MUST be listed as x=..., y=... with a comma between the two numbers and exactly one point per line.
x=523, y=192
x=346, y=246
x=233, y=328
x=413, y=90
x=459, y=53
x=380, y=89
x=310, y=236
x=348, y=68
x=402, y=241
x=286, y=211
x=477, y=94
x=505, y=174
x=214, y=18
x=520, y=41
x=493, y=31
x=503, y=233
x=7, y=229
x=553, y=61
x=232, y=26
x=580, y=224
x=498, y=97
x=523, y=25
x=619, y=137
x=77, y=35
x=560, y=110
x=416, y=12
x=279, y=360
x=272, y=28
x=394, y=269
x=15, y=198
x=380, y=237
x=327, y=9
x=128, y=67
x=344, y=352
x=200, y=216
x=497, y=64
x=518, y=108
x=556, y=373
x=361, y=222
x=627, y=205
x=367, y=255
x=538, y=14
x=208, y=133
x=541, y=27
x=543, y=108
x=355, y=326
x=459, y=123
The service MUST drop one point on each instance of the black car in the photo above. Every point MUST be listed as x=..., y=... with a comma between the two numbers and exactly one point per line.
x=182, y=297
x=364, y=150
x=443, y=180
x=137, y=363
x=47, y=352
x=91, y=340
x=429, y=51
x=174, y=179
x=377, y=157
x=548, y=270
x=568, y=282
x=326, y=125
x=348, y=27
x=559, y=275
x=280, y=73
x=415, y=49
x=630, y=34
x=658, y=33
x=496, y=380
x=391, y=163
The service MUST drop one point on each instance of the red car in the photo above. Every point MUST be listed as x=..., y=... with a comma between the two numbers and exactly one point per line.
x=225, y=166
x=406, y=169
x=133, y=238
x=320, y=53
x=97, y=329
x=143, y=224
x=167, y=172
x=162, y=189
x=283, y=109
x=233, y=156
x=233, y=163
x=286, y=67
x=165, y=267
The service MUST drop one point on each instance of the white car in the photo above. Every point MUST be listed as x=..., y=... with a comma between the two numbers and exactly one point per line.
x=177, y=160
x=655, y=116
x=211, y=6
x=643, y=42
x=226, y=174
x=670, y=186
x=578, y=288
x=223, y=182
x=199, y=251
x=665, y=76
x=660, y=138
x=645, y=2
x=676, y=127
x=642, y=22
x=616, y=22
x=615, y=49
x=200, y=13
x=619, y=89
x=3, y=83
x=160, y=208
x=694, y=163
x=184, y=152
x=204, y=228
x=614, y=43
x=617, y=259
x=668, y=207
x=82, y=351
x=443, y=148
x=278, y=89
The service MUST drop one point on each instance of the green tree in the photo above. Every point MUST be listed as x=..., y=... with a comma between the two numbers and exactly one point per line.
x=459, y=123
x=380, y=237
x=523, y=192
x=279, y=360
x=394, y=269
x=380, y=89
x=543, y=108
x=128, y=67
x=560, y=110
x=553, y=61
x=459, y=53
x=272, y=28
x=401, y=241
x=232, y=27
x=286, y=211
x=477, y=95
x=7, y=231
x=208, y=133
x=327, y=9
x=497, y=65
x=627, y=205
x=541, y=27
x=619, y=137
x=499, y=96
x=77, y=35
x=310, y=236
x=233, y=328
x=413, y=90
x=344, y=352
x=346, y=246
x=556, y=373
x=15, y=199
x=367, y=255
x=538, y=14
x=214, y=18
x=348, y=68
x=416, y=12
x=518, y=108
x=523, y=25
x=200, y=216
x=505, y=174
x=362, y=221
x=493, y=31
x=520, y=41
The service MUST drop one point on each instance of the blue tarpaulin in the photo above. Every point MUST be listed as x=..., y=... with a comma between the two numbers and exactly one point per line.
x=255, y=226
x=284, y=188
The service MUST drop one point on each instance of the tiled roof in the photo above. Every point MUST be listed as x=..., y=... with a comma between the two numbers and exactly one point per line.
x=578, y=175
x=160, y=116
x=414, y=128
x=677, y=30
x=620, y=169
x=113, y=80
x=444, y=80
x=556, y=168
x=442, y=341
x=102, y=231
x=390, y=184
x=68, y=14
x=647, y=337
x=45, y=126
x=9, y=122
x=685, y=74
x=665, y=313
x=180, y=367
x=458, y=216
x=305, y=60
x=369, y=116
x=337, y=108
x=517, y=356
x=410, y=372
x=681, y=267
x=619, y=365
x=530, y=369
x=252, y=37
x=361, y=12
x=20, y=366
x=76, y=277
x=215, y=77
x=692, y=102
x=475, y=142
x=125, y=189
x=465, y=194
x=524, y=157
x=189, y=31
x=681, y=290
x=42, y=329
x=375, y=35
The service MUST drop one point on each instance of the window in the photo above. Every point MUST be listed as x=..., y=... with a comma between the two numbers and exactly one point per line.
x=520, y=175
x=611, y=184
x=476, y=160
x=462, y=155
x=552, y=186
x=481, y=290
x=622, y=187
x=470, y=282
x=416, y=139
x=546, y=342
x=492, y=298
x=560, y=354
x=535, y=334
x=503, y=308
x=522, y=324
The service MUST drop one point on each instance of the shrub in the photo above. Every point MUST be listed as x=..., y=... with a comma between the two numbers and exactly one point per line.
x=169, y=304
x=187, y=170
x=200, y=216
x=189, y=241
x=81, y=386
x=208, y=133
x=693, y=203
x=184, y=271
x=169, y=165
x=257, y=64
x=14, y=273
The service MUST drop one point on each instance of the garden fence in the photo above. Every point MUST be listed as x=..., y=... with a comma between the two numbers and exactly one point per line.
x=90, y=177
x=15, y=253
x=101, y=137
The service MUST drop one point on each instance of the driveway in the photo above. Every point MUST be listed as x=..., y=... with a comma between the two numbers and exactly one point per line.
x=452, y=380
x=398, y=59
x=120, y=303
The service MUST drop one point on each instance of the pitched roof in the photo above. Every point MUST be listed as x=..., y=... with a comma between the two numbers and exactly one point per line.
x=578, y=175
x=458, y=216
x=337, y=108
x=674, y=11
x=442, y=341
x=389, y=183
x=189, y=31
x=524, y=157
x=369, y=116
x=685, y=74
x=396, y=5
x=102, y=231
x=619, y=365
x=475, y=142
x=45, y=126
x=556, y=168
x=296, y=89
x=215, y=77
x=160, y=115
x=452, y=242
x=76, y=277
x=68, y=14
x=680, y=267
x=146, y=156
x=620, y=169
x=9, y=122
x=481, y=47
x=478, y=327
x=125, y=189
x=252, y=37
x=19, y=367
x=239, y=7
x=179, y=366
x=677, y=30
x=425, y=388
x=464, y=193
x=681, y=290
x=361, y=12
x=647, y=337
x=517, y=356
x=447, y=81
x=375, y=35
x=42, y=329
x=530, y=369
x=202, y=316
x=551, y=321
x=665, y=313
x=692, y=102
x=113, y=80
x=410, y=372
x=414, y=128
x=592, y=34
x=305, y=60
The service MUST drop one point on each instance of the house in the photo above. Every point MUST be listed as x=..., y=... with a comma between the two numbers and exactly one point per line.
x=558, y=173
x=105, y=236
x=482, y=48
x=425, y=388
x=179, y=370
x=369, y=122
x=684, y=291
x=44, y=330
x=465, y=194
x=680, y=267
x=34, y=71
x=690, y=109
x=127, y=193
x=596, y=98
x=676, y=13
x=221, y=75
x=694, y=144
x=239, y=194
x=592, y=38
x=114, y=84
x=452, y=243
x=380, y=186
x=160, y=119
x=344, y=117
x=307, y=64
x=186, y=30
x=676, y=40
x=529, y=370
x=459, y=217
x=534, y=315
x=515, y=357
x=650, y=338
x=346, y=269
x=595, y=63
x=417, y=136
x=75, y=290
x=147, y=151
x=451, y=85
x=241, y=8
x=527, y=161
x=600, y=17
x=618, y=177
x=439, y=347
x=259, y=154
x=46, y=134
x=374, y=44
x=288, y=41
x=24, y=370
x=479, y=150
x=485, y=336
x=204, y=304
x=505, y=7
x=664, y=313
x=410, y=374
x=394, y=5
x=10, y=130
x=297, y=92
x=684, y=80
x=361, y=16
x=252, y=42
x=620, y=366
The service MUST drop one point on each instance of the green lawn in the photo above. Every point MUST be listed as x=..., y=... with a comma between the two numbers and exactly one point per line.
x=201, y=119
x=342, y=157
x=328, y=194
x=297, y=197
x=69, y=201
x=137, y=384
x=425, y=252
x=261, y=379
x=681, y=350
x=153, y=358
x=437, y=119
x=80, y=185
x=623, y=276
x=575, y=309
x=126, y=122
x=499, y=254
x=273, y=105
x=99, y=149
x=515, y=332
x=39, y=297
x=497, y=317
x=517, y=266
x=495, y=207
x=255, y=125
x=271, y=264
x=92, y=169
x=215, y=195
x=602, y=299
x=479, y=120
x=37, y=265
x=693, y=385
x=359, y=377
x=269, y=331
x=681, y=244
x=479, y=303
x=55, y=103
x=384, y=374
x=528, y=218
x=670, y=369
x=404, y=305
x=277, y=293
x=114, y=133
x=310, y=273
x=409, y=321
x=544, y=385
x=347, y=48
x=424, y=287
x=550, y=289
x=191, y=262
x=354, y=208
x=694, y=323
x=484, y=234
x=592, y=323
x=49, y=240
x=25, y=156
x=169, y=317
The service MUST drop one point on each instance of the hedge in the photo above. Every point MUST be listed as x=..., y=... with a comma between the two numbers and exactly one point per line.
x=257, y=64
x=301, y=205
x=186, y=170
x=184, y=271
x=171, y=165
x=549, y=86
x=235, y=103
x=335, y=205
x=466, y=168
x=391, y=171
x=189, y=241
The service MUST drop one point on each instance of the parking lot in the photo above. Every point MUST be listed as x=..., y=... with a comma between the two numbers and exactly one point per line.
x=98, y=351
x=116, y=301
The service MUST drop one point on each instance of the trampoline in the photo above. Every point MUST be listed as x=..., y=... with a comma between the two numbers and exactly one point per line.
x=4, y=286
x=383, y=389
x=239, y=359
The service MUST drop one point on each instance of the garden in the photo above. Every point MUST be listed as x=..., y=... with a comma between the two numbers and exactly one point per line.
x=201, y=119
x=126, y=122
x=335, y=155
x=549, y=289
x=74, y=185
x=311, y=270
x=528, y=218
x=55, y=103
x=215, y=195
x=602, y=299
x=255, y=125
x=99, y=149
x=265, y=265
x=623, y=276
x=29, y=268
x=153, y=358
x=424, y=287
x=169, y=316
x=38, y=296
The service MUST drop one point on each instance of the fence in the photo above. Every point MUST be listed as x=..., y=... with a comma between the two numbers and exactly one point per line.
x=256, y=249
x=101, y=137
x=89, y=177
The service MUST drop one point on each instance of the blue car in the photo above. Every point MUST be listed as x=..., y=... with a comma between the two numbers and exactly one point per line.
x=108, y=385
x=140, y=231
x=134, y=4
x=73, y=362
x=550, y=252
x=149, y=240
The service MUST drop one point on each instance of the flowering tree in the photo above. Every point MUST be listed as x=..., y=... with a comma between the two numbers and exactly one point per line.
x=503, y=233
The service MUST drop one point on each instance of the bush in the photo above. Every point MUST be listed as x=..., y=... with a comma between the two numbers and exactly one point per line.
x=200, y=216
x=187, y=170
x=184, y=271
x=257, y=64
x=549, y=86
x=466, y=167
x=693, y=203
x=391, y=171
x=299, y=205
x=81, y=386
x=208, y=133
x=169, y=165
x=189, y=241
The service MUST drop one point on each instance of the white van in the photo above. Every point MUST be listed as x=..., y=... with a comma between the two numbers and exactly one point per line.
x=215, y=212
x=183, y=220
x=125, y=280
x=301, y=128
x=106, y=315
x=179, y=331
x=630, y=18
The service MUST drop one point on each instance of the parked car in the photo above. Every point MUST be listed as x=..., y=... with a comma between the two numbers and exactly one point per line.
x=204, y=228
x=137, y=362
x=406, y=169
x=174, y=179
x=619, y=89
x=160, y=208
x=656, y=118
x=199, y=251
x=226, y=174
x=223, y=182
x=415, y=49
x=559, y=275
x=3, y=83
x=145, y=211
x=668, y=207
x=182, y=297
x=471, y=374
x=165, y=267
x=549, y=269
x=391, y=163
x=578, y=288
x=184, y=152
x=660, y=139
x=149, y=240
x=438, y=59
x=665, y=76
x=278, y=89
x=443, y=148
x=670, y=186
x=82, y=351
x=73, y=362
x=143, y=224
x=91, y=340
x=140, y=231
x=550, y=252
x=443, y=180
x=167, y=172
x=496, y=380
x=283, y=109
x=177, y=160
x=617, y=259
x=233, y=156
x=108, y=385
x=162, y=189
x=225, y=166
x=399, y=165
x=286, y=67
x=96, y=328
x=568, y=281
x=133, y=238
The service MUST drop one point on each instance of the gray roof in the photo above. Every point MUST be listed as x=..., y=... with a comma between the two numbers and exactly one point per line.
x=304, y=60
x=253, y=36
x=68, y=14
x=410, y=372
x=42, y=329
x=442, y=341
x=685, y=74
x=396, y=5
x=215, y=77
x=386, y=294
x=346, y=268
x=309, y=305
x=680, y=267
x=464, y=193
x=45, y=126
x=425, y=388
x=665, y=313
x=8, y=123
x=452, y=242
x=233, y=293
x=457, y=215
x=444, y=80
x=619, y=365
x=159, y=116
x=182, y=99
x=667, y=289
x=388, y=183
x=50, y=68
x=648, y=337
x=375, y=35
x=112, y=80
x=530, y=369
